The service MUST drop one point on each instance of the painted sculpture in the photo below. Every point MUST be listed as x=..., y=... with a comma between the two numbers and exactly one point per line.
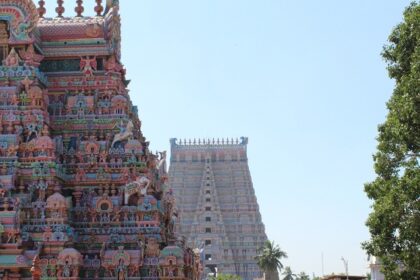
x=81, y=195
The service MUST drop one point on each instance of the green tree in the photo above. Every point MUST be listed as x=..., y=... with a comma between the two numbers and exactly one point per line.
x=303, y=276
x=394, y=223
x=288, y=274
x=222, y=276
x=269, y=258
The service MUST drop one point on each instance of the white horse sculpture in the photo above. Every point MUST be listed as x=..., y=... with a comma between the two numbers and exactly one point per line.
x=126, y=134
x=139, y=186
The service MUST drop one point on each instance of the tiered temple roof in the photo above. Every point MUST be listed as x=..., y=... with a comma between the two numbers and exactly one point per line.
x=81, y=195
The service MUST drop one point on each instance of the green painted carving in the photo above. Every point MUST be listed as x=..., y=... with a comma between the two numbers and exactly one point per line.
x=65, y=65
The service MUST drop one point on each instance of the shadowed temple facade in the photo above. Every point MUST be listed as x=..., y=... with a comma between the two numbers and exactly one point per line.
x=217, y=207
x=81, y=195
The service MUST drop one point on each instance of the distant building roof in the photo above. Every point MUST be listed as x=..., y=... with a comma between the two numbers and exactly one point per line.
x=343, y=277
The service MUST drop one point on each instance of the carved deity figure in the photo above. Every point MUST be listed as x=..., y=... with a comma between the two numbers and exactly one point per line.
x=12, y=60
x=35, y=94
x=172, y=223
x=152, y=248
x=67, y=269
x=171, y=272
x=12, y=150
x=80, y=175
x=197, y=265
x=121, y=270
x=32, y=131
x=3, y=192
x=30, y=57
x=140, y=243
x=21, y=29
x=35, y=269
x=111, y=64
x=103, y=157
x=125, y=174
x=4, y=35
x=93, y=214
x=88, y=65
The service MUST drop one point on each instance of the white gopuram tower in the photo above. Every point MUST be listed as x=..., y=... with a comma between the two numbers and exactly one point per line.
x=217, y=206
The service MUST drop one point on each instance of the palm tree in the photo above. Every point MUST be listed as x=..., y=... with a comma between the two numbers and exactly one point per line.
x=269, y=260
x=288, y=274
x=303, y=276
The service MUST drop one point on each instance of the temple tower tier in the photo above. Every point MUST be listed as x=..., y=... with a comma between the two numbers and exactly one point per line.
x=217, y=206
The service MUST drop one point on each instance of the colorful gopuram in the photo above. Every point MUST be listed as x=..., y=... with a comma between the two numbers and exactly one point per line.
x=217, y=207
x=81, y=195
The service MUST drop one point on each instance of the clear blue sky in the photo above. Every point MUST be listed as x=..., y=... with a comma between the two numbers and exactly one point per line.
x=305, y=82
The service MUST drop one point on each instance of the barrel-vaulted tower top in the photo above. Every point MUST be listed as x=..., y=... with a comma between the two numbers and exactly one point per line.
x=59, y=36
x=98, y=35
x=215, y=149
x=210, y=143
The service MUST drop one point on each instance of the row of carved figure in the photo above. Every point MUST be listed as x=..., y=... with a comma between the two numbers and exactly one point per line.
x=171, y=262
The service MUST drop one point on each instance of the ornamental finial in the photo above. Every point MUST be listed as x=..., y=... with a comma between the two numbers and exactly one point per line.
x=60, y=9
x=79, y=8
x=41, y=9
x=99, y=8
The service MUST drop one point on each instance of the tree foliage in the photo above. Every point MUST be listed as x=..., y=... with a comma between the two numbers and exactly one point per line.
x=288, y=274
x=222, y=276
x=394, y=223
x=269, y=259
x=303, y=276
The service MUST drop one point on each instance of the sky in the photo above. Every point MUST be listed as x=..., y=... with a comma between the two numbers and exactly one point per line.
x=304, y=80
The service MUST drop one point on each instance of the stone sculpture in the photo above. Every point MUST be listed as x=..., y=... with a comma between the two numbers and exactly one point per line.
x=127, y=133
